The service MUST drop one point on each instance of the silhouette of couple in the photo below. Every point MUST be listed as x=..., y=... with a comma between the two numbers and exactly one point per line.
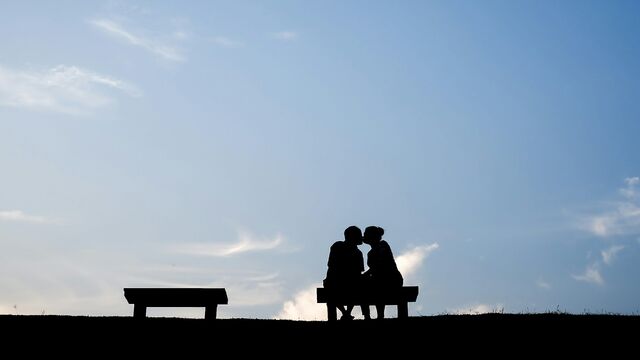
x=346, y=268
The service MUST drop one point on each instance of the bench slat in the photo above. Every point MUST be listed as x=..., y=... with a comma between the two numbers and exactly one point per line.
x=367, y=296
x=176, y=297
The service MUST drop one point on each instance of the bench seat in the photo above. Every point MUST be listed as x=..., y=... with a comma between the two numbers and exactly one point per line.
x=209, y=298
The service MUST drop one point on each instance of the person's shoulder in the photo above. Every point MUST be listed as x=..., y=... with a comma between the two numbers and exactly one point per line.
x=338, y=244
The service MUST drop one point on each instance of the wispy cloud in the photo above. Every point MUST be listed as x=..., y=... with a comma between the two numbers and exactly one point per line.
x=303, y=306
x=477, y=309
x=20, y=216
x=591, y=275
x=609, y=255
x=245, y=243
x=409, y=261
x=631, y=191
x=613, y=220
x=263, y=279
x=618, y=218
x=226, y=42
x=285, y=35
x=245, y=289
x=543, y=284
x=154, y=46
x=65, y=89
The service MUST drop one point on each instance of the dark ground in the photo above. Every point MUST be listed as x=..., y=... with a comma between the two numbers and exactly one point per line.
x=511, y=335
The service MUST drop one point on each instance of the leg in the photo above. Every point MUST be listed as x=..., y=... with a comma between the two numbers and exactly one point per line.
x=139, y=311
x=332, y=312
x=346, y=314
x=380, y=311
x=403, y=310
x=349, y=310
x=210, y=312
x=366, y=312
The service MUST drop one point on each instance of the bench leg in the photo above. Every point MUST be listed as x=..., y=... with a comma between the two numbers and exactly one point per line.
x=210, y=312
x=332, y=312
x=139, y=311
x=403, y=310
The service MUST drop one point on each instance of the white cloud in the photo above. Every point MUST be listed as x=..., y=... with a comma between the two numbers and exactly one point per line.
x=600, y=225
x=285, y=35
x=409, y=261
x=20, y=216
x=226, y=42
x=66, y=89
x=304, y=306
x=620, y=218
x=245, y=243
x=631, y=191
x=591, y=275
x=543, y=284
x=608, y=256
x=614, y=219
x=477, y=309
x=154, y=46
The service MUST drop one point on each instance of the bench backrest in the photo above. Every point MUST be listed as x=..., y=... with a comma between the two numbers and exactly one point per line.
x=176, y=297
x=367, y=296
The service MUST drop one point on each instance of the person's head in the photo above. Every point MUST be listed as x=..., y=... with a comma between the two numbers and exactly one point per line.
x=353, y=234
x=373, y=235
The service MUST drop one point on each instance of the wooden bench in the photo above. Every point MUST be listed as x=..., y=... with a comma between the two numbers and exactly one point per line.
x=209, y=298
x=401, y=297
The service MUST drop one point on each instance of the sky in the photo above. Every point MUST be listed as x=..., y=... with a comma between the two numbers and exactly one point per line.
x=230, y=143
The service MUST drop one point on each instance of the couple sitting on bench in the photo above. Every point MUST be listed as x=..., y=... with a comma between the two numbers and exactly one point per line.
x=345, y=273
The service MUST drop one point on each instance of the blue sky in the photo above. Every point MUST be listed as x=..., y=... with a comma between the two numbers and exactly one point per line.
x=230, y=143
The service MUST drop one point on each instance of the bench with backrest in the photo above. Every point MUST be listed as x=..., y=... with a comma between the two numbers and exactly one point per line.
x=399, y=297
x=209, y=298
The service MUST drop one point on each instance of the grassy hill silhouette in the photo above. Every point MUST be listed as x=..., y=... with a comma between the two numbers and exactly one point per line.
x=455, y=334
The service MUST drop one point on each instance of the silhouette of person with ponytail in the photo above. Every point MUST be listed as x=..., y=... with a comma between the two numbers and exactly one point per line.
x=383, y=273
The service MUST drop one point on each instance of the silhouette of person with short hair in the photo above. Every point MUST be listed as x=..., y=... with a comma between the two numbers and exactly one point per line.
x=345, y=266
x=383, y=273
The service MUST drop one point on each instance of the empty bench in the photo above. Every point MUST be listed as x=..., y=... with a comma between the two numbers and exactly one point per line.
x=400, y=297
x=209, y=298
